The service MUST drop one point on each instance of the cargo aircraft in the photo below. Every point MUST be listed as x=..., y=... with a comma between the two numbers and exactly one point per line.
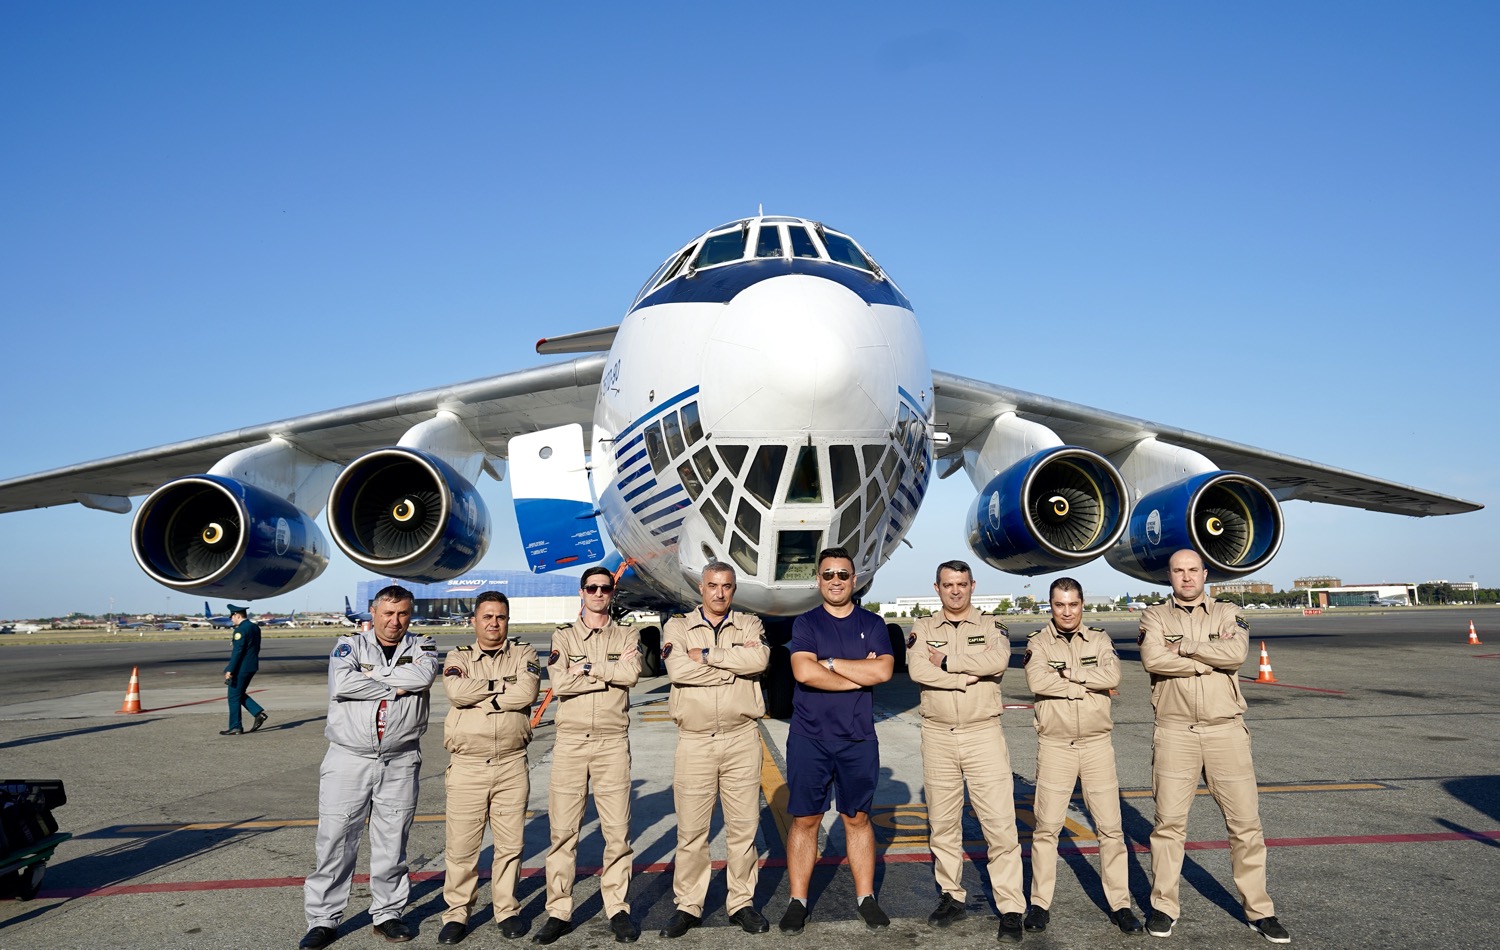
x=766, y=394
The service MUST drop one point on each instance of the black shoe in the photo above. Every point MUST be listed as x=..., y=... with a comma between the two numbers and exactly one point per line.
x=1037, y=919
x=513, y=927
x=680, y=924
x=794, y=919
x=750, y=920
x=395, y=930
x=554, y=928
x=452, y=932
x=317, y=938
x=1271, y=929
x=624, y=928
x=948, y=912
x=236, y=732
x=1159, y=924
x=260, y=720
x=874, y=917
x=1126, y=920
x=1010, y=929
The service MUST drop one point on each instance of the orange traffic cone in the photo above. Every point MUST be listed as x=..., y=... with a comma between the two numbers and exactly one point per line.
x=1266, y=676
x=1474, y=640
x=133, y=693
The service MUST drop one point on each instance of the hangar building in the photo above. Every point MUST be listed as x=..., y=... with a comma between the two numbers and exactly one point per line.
x=534, y=598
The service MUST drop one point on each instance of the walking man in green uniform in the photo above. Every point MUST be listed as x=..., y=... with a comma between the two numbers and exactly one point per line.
x=244, y=662
x=1193, y=646
x=1071, y=670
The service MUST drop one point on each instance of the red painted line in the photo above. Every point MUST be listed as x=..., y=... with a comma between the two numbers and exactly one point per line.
x=197, y=702
x=908, y=857
x=1310, y=689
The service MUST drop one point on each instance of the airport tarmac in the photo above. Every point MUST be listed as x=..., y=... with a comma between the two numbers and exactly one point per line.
x=1377, y=751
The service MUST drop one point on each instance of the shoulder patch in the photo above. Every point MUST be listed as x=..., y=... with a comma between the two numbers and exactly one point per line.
x=466, y=648
x=911, y=639
x=533, y=669
x=552, y=658
x=1032, y=634
x=1027, y=658
x=666, y=649
x=1000, y=625
x=343, y=649
x=1242, y=623
x=565, y=626
x=1098, y=629
x=236, y=636
x=453, y=671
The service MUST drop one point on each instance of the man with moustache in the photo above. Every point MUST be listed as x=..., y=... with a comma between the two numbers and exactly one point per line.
x=715, y=657
x=491, y=685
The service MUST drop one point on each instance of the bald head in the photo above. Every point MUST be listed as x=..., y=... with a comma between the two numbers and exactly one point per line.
x=1187, y=574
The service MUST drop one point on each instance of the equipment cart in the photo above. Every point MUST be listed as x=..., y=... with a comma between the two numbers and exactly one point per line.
x=28, y=833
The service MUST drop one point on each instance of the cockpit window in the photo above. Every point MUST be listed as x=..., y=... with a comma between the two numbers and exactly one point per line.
x=665, y=272
x=805, y=485
x=721, y=249
x=845, y=251
x=802, y=243
x=765, y=472
x=769, y=242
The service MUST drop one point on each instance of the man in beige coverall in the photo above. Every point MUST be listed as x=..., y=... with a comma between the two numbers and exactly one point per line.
x=957, y=656
x=592, y=666
x=1193, y=647
x=491, y=686
x=714, y=657
x=1071, y=669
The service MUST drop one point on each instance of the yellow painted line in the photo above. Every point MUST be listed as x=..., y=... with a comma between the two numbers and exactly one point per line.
x=773, y=786
x=1269, y=789
x=275, y=823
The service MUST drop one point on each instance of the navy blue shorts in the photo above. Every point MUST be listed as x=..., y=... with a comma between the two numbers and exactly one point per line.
x=814, y=767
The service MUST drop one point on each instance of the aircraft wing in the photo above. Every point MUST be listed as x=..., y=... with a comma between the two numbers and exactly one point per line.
x=494, y=409
x=966, y=408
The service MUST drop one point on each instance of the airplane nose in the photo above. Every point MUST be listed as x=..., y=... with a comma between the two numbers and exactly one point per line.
x=798, y=353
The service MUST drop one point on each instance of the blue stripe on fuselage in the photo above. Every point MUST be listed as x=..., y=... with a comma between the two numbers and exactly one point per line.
x=723, y=284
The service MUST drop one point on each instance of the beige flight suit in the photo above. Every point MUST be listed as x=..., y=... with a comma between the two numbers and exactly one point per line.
x=716, y=704
x=487, y=730
x=592, y=749
x=962, y=742
x=1073, y=727
x=1200, y=732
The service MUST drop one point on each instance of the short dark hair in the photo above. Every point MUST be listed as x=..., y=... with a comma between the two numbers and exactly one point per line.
x=961, y=567
x=596, y=569
x=835, y=553
x=490, y=596
x=395, y=593
x=1064, y=584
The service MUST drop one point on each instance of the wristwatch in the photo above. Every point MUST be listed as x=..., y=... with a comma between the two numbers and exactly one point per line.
x=588, y=667
x=829, y=663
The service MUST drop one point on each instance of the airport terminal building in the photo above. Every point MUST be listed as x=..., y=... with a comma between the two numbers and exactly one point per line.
x=534, y=598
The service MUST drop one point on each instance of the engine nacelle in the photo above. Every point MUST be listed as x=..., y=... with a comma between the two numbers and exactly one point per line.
x=1231, y=520
x=1053, y=510
x=408, y=514
x=207, y=534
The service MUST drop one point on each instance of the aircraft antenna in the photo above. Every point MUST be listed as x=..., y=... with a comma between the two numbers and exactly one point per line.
x=760, y=209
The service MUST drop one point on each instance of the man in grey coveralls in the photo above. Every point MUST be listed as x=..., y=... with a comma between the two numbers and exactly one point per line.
x=378, y=683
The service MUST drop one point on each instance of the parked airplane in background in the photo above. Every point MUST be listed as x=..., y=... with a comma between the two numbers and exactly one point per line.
x=354, y=619
x=121, y=624
x=287, y=621
x=169, y=625
x=210, y=620
x=1136, y=605
x=766, y=394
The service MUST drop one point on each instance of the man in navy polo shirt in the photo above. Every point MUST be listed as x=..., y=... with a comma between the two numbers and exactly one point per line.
x=839, y=653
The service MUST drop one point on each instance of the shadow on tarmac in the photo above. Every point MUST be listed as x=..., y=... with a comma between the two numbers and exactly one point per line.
x=70, y=733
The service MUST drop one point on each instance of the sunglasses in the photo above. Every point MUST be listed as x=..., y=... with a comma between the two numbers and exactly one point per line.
x=600, y=588
x=841, y=574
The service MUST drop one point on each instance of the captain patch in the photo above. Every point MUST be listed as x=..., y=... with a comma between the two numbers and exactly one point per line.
x=611, y=657
x=510, y=679
x=1088, y=661
x=429, y=647
x=976, y=640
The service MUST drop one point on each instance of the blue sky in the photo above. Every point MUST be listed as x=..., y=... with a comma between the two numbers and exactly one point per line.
x=1273, y=222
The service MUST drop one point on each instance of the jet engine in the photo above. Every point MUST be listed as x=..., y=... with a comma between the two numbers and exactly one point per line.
x=1050, y=511
x=207, y=534
x=408, y=514
x=1231, y=520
